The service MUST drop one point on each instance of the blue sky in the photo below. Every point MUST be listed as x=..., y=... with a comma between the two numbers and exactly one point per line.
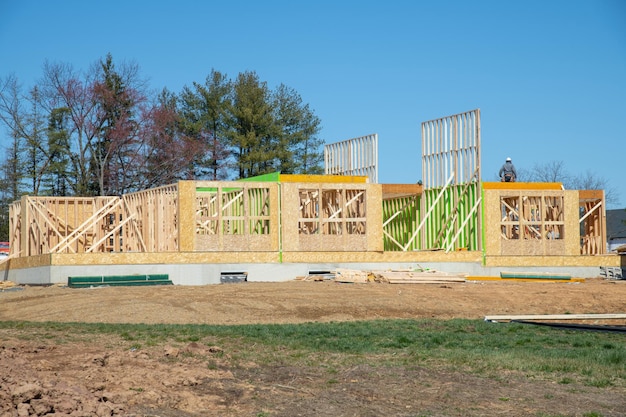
x=549, y=76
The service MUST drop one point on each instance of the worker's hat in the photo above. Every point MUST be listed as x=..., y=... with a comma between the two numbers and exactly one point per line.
x=508, y=159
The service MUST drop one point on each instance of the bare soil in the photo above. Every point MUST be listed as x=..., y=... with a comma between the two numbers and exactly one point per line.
x=103, y=377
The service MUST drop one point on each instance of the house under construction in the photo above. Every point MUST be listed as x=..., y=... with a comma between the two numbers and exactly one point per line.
x=278, y=227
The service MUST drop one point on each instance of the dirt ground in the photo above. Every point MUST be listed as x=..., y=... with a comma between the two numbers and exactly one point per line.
x=105, y=378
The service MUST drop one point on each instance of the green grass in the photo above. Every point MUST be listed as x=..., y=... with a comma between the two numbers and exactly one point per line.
x=563, y=356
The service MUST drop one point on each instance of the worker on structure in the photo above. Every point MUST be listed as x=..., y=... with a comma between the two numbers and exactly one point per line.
x=507, y=172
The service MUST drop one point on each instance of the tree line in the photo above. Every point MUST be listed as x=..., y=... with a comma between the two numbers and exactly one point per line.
x=102, y=132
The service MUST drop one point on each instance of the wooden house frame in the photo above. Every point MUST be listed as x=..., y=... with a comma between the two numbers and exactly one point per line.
x=275, y=227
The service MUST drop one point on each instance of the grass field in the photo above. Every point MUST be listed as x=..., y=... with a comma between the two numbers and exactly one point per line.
x=563, y=356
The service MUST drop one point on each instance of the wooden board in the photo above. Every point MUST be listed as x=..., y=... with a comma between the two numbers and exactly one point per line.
x=556, y=317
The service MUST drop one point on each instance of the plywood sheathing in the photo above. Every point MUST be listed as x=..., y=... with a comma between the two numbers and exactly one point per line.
x=186, y=215
x=331, y=217
x=497, y=244
x=391, y=191
x=166, y=258
x=556, y=261
x=409, y=259
x=27, y=262
x=236, y=216
x=377, y=257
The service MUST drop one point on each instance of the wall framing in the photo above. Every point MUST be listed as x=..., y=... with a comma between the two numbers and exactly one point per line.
x=357, y=156
x=451, y=176
x=276, y=227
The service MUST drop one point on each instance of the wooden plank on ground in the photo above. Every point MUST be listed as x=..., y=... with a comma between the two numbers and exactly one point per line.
x=418, y=277
x=556, y=317
x=353, y=276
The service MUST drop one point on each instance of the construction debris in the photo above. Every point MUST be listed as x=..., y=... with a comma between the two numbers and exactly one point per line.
x=421, y=276
x=9, y=286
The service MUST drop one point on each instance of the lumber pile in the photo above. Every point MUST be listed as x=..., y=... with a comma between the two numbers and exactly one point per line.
x=420, y=277
x=424, y=276
x=7, y=285
x=354, y=276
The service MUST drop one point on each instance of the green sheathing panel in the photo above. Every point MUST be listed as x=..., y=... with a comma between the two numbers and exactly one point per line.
x=399, y=222
x=531, y=275
x=259, y=211
x=271, y=177
x=452, y=221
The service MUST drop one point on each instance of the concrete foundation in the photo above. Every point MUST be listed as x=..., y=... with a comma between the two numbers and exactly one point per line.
x=195, y=269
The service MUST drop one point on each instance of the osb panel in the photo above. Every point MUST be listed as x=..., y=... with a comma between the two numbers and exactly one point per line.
x=392, y=257
x=495, y=245
x=591, y=194
x=356, y=242
x=26, y=262
x=491, y=227
x=572, y=224
x=311, y=257
x=165, y=258
x=531, y=247
x=401, y=190
x=555, y=261
x=374, y=202
x=247, y=243
x=242, y=241
x=294, y=241
x=186, y=215
x=290, y=213
x=522, y=247
x=229, y=243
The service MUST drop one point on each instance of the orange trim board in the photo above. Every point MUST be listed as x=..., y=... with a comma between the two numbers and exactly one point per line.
x=522, y=186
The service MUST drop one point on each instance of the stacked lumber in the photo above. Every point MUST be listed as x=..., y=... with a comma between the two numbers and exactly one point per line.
x=398, y=276
x=7, y=284
x=419, y=277
x=353, y=276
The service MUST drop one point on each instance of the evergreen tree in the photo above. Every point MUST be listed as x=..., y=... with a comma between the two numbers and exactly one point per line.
x=299, y=145
x=204, y=110
x=36, y=161
x=58, y=176
x=254, y=131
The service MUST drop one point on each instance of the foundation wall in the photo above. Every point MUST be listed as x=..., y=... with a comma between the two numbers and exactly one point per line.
x=195, y=268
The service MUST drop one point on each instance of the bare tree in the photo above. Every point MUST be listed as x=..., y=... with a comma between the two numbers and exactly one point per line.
x=590, y=181
x=555, y=171
x=551, y=171
x=64, y=88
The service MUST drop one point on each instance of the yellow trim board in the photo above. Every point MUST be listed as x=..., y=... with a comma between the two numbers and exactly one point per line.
x=485, y=278
x=522, y=186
